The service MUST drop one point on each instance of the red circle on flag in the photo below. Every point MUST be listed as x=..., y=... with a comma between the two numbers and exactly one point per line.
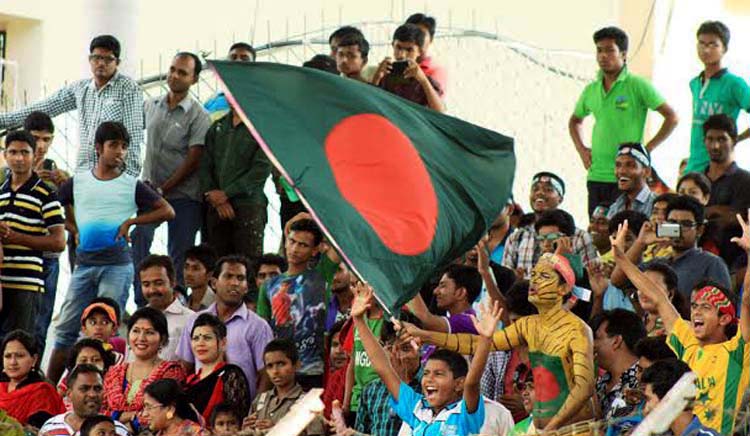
x=547, y=388
x=378, y=170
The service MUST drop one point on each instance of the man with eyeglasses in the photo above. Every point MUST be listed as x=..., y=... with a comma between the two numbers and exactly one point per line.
x=691, y=264
x=107, y=96
x=715, y=90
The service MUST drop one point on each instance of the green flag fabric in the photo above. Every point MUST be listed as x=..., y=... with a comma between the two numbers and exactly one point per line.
x=399, y=189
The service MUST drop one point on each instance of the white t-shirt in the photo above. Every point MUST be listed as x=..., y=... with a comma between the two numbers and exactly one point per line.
x=56, y=426
x=497, y=420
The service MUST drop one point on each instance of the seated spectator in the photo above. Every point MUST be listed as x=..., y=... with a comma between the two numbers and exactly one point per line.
x=216, y=381
x=100, y=321
x=247, y=333
x=616, y=333
x=217, y=106
x=169, y=411
x=338, y=367
x=157, y=276
x=281, y=361
x=427, y=24
x=632, y=170
x=351, y=56
x=26, y=232
x=662, y=248
x=85, y=397
x=599, y=229
x=691, y=264
x=695, y=185
x=409, y=81
x=99, y=425
x=87, y=351
x=713, y=343
x=651, y=349
x=125, y=384
x=728, y=181
x=268, y=266
x=225, y=420
x=199, y=263
x=522, y=250
x=104, y=263
x=525, y=387
x=663, y=274
x=657, y=380
x=323, y=63
x=341, y=296
x=498, y=233
x=24, y=393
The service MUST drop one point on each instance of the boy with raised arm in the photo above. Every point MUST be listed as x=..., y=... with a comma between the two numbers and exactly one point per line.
x=451, y=404
x=711, y=343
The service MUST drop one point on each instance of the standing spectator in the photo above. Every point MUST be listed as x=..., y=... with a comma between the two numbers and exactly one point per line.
x=411, y=82
x=632, y=170
x=233, y=172
x=104, y=265
x=108, y=96
x=351, y=57
x=695, y=185
x=338, y=366
x=176, y=126
x=729, y=182
x=427, y=24
x=31, y=221
x=341, y=297
x=247, y=333
x=522, y=250
x=619, y=101
x=218, y=106
x=268, y=266
x=199, y=265
x=715, y=91
x=157, y=276
x=616, y=333
x=295, y=302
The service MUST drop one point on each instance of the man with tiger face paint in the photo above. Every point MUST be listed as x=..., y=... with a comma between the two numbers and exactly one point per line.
x=560, y=347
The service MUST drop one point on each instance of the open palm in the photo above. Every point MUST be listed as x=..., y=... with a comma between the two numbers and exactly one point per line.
x=491, y=315
x=362, y=299
x=744, y=240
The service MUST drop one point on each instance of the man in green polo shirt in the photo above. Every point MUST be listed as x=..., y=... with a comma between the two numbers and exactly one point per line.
x=715, y=91
x=619, y=101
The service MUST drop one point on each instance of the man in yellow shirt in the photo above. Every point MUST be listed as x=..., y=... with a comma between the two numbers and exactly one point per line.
x=711, y=342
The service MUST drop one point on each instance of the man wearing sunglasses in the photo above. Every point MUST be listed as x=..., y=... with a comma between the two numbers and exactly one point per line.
x=107, y=96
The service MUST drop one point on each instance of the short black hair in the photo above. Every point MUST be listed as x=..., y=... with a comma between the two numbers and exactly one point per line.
x=109, y=302
x=308, y=225
x=654, y=348
x=270, y=259
x=466, y=277
x=517, y=299
x=158, y=260
x=557, y=218
x=235, y=259
x=715, y=28
x=38, y=121
x=95, y=344
x=323, y=63
x=456, y=362
x=342, y=32
x=689, y=204
x=671, y=279
x=700, y=179
x=421, y=19
x=107, y=42
x=205, y=254
x=409, y=33
x=167, y=392
x=244, y=46
x=210, y=320
x=619, y=35
x=225, y=408
x=635, y=221
x=359, y=41
x=111, y=131
x=663, y=375
x=197, y=61
x=721, y=122
x=155, y=317
x=84, y=368
x=668, y=197
x=92, y=421
x=20, y=136
x=621, y=322
x=286, y=346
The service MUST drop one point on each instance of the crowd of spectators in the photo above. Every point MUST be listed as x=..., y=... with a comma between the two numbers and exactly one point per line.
x=226, y=339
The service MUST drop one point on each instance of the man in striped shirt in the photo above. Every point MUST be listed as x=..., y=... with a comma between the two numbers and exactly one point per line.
x=31, y=221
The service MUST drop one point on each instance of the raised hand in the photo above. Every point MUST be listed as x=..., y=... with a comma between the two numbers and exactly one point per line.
x=491, y=315
x=362, y=299
x=744, y=240
x=408, y=332
x=483, y=258
x=597, y=279
x=618, y=241
x=647, y=235
x=564, y=246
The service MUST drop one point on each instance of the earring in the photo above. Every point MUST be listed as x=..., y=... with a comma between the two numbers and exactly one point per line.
x=170, y=415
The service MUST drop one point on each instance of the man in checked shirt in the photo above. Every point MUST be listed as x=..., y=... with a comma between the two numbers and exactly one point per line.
x=107, y=96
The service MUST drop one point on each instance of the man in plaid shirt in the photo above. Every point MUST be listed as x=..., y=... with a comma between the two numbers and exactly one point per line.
x=522, y=250
x=108, y=96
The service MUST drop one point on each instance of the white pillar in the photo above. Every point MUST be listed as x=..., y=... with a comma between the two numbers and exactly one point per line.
x=120, y=19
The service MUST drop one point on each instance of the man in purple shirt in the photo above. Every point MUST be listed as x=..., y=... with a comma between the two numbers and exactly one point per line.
x=247, y=333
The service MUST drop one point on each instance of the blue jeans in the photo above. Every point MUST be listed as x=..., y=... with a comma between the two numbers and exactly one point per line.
x=181, y=236
x=87, y=283
x=46, y=301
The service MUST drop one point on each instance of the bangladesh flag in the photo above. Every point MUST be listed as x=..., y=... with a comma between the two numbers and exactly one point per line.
x=400, y=190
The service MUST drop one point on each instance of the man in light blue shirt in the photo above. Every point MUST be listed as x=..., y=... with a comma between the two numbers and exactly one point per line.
x=632, y=169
